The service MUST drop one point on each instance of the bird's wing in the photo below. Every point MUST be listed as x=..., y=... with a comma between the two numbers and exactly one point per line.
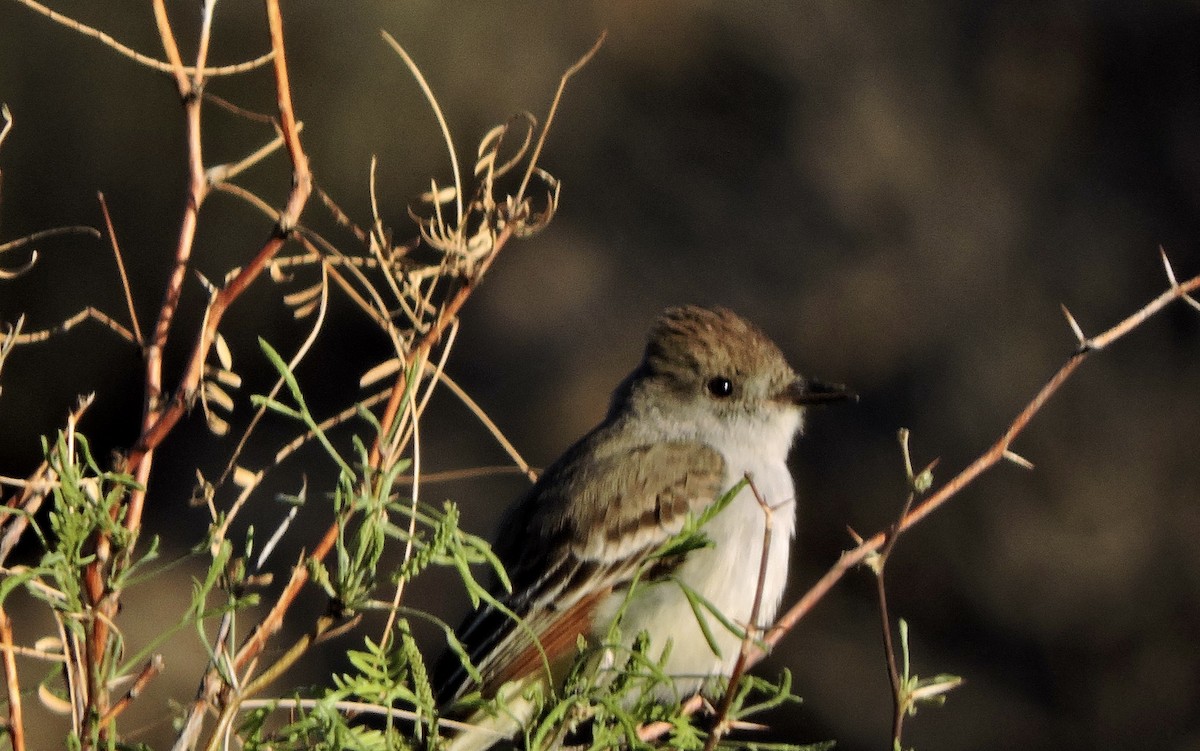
x=582, y=533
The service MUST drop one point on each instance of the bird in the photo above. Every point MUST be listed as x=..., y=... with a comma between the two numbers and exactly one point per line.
x=712, y=401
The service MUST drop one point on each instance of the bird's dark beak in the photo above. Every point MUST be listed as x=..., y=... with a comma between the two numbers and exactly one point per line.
x=805, y=393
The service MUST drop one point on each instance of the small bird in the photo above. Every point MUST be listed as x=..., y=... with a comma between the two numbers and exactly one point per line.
x=713, y=401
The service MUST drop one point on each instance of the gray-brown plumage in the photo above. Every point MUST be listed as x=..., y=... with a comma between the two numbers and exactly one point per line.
x=712, y=401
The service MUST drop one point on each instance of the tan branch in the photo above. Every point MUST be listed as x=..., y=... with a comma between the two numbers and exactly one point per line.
x=143, y=59
x=16, y=720
x=43, y=234
x=88, y=313
x=116, y=248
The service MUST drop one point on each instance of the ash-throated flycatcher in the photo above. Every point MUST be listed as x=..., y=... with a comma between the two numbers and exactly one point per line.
x=713, y=401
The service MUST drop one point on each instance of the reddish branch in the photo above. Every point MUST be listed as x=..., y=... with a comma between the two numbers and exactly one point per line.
x=159, y=416
x=999, y=451
x=447, y=314
x=274, y=619
x=162, y=418
x=448, y=311
x=987, y=460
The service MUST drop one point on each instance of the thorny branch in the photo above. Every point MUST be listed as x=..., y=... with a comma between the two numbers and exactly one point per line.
x=999, y=451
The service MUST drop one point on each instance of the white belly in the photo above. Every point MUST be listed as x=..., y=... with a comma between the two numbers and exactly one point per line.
x=727, y=575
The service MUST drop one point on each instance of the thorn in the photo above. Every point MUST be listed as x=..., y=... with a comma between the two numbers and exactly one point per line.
x=1191, y=301
x=1017, y=459
x=1167, y=266
x=1083, y=340
x=858, y=540
x=204, y=282
x=936, y=687
x=747, y=725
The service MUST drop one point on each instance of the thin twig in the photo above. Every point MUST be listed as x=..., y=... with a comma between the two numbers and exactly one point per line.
x=224, y=172
x=415, y=481
x=152, y=668
x=497, y=434
x=104, y=600
x=562, y=85
x=116, y=248
x=878, y=565
x=167, y=419
x=471, y=473
x=330, y=422
x=364, y=708
x=143, y=59
x=16, y=720
x=33, y=652
x=88, y=313
x=157, y=414
x=441, y=119
x=720, y=727
x=43, y=234
x=293, y=363
x=73, y=669
x=380, y=241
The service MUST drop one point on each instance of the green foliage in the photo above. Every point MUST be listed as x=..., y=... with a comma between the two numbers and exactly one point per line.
x=86, y=502
x=916, y=691
x=613, y=691
x=385, y=698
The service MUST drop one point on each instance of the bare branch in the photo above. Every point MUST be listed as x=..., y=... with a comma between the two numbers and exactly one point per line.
x=16, y=720
x=43, y=234
x=475, y=409
x=987, y=460
x=1075, y=327
x=224, y=172
x=116, y=248
x=133, y=54
x=88, y=313
x=437, y=111
x=562, y=85
x=152, y=668
x=1174, y=284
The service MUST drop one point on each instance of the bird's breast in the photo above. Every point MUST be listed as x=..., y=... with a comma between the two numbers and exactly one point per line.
x=727, y=575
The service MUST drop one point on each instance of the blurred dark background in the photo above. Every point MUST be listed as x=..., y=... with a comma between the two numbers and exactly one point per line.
x=900, y=194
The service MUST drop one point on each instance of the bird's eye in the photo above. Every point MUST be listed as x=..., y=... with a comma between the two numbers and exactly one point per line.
x=720, y=387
